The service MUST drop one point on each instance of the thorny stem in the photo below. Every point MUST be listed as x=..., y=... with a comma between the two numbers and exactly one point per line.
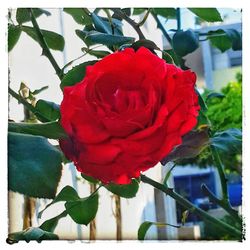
x=44, y=45
x=178, y=17
x=226, y=206
x=27, y=105
x=222, y=176
x=136, y=27
x=192, y=208
x=160, y=26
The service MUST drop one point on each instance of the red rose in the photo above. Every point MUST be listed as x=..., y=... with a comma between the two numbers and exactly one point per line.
x=130, y=110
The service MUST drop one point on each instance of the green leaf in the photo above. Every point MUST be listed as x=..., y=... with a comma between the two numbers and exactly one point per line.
x=165, y=12
x=107, y=39
x=50, y=225
x=31, y=233
x=224, y=39
x=96, y=53
x=207, y=14
x=83, y=210
x=185, y=42
x=138, y=11
x=171, y=57
x=214, y=94
x=127, y=11
x=53, y=40
x=66, y=194
x=168, y=174
x=50, y=110
x=219, y=40
x=23, y=15
x=145, y=43
x=83, y=33
x=76, y=74
x=14, y=33
x=201, y=101
x=229, y=140
x=100, y=24
x=89, y=178
x=144, y=227
x=79, y=15
x=52, y=130
x=34, y=166
x=126, y=191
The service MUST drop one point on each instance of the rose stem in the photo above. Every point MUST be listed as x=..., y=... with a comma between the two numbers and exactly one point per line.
x=92, y=225
x=136, y=27
x=44, y=45
x=118, y=217
x=192, y=208
x=27, y=105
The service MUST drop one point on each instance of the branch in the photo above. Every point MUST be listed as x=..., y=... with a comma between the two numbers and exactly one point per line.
x=178, y=17
x=222, y=176
x=160, y=26
x=221, y=203
x=44, y=45
x=27, y=105
x=192, y=208
x=136, y=27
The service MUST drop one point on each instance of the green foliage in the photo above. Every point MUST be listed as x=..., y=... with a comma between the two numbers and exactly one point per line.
x=50, y=110
x=23, y=15
x=126, y=191
x=66, y=194
x=50, y=225
x=169, y=13
x=96, y=37
x=96, y=53
x=224, y=39
x=52, y=130
x=215, y=233
x=79, y=15
x=53, y=40
x=207, y=14
x=75, y=75
x=83, y=210
x=226, y=113
x=14, y=33
x=31, y=233
x=144, y=227
x=32, y=161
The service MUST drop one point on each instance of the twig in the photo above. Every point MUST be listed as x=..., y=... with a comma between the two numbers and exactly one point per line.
x=221, y=203
x=27, y=105
x=136, y=27
x=178, y=17
x=192, y=208
x=44, y=45
x=220, y=167
x=160, y=26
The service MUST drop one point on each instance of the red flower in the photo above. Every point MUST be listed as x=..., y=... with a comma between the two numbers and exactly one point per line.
x=130, y=110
